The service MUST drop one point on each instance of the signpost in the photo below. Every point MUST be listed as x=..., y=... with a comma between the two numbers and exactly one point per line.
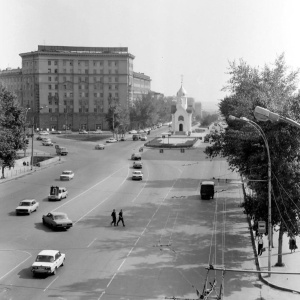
x=262, y=227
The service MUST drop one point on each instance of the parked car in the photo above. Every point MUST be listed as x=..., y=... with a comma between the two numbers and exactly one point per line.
x=132, y=131
x=111, y=140
x=136, y=156
x=57, y=193
x=122, y=139
x=47, y=262
x=143, y=138
x=43, y=133
x=98, y=131
x=39, y=137
x=57, y=220
x=27, y=206
x=67, y=175
x=83, y=132
x=137, y=175
x=136, y=137
x=100, y=147
x=46, y=139
x=47, y=143
x=137, y=165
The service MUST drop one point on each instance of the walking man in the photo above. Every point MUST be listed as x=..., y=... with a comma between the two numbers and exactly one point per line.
x=260, y=245
x=121, y=218
x=114, y=218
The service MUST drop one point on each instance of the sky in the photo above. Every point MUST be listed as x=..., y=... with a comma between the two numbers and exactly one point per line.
x=195, y=39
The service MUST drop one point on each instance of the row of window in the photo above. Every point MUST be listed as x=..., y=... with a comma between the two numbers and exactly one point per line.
x=82, y=87
x=84, y=63
x=84, y=79
x=86, y=71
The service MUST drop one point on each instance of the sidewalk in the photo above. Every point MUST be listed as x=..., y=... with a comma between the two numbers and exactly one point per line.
x=19, y=169
x=283, y=282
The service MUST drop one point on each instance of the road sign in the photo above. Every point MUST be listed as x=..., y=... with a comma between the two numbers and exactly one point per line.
x=261, y=227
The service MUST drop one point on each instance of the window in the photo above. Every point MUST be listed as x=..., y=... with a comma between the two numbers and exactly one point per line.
x=65, y=71
x=109, y=63
x=86, y=71
x=50, y=110
x=95, y=94
x=109, y=79
x=116, y=79
x=86, y=79
x=55, y=62
x=95, y=71
x=49, y=70
x=65, y=94
x=49, y=62
x=86, y=63
x=56, y=86
x=79, y=71
x=49, y=78
x=71, y=94
x=55, y=70
x=65, y=78
x=79, y=63
x=180, y=118
x=95, y=79
x=56, y=78
x=71, y=63
x=65, y=86
x=50, y=86
x=109, y=87
x=64, y=62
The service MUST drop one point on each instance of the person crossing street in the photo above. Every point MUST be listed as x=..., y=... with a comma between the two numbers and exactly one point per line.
x=121, y=218
x=114, y=218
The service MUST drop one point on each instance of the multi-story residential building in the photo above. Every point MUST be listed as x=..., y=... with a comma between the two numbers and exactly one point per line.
x=141, y=85
x=72, y=87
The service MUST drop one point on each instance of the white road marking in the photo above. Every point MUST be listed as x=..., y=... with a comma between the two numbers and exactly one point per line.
x=17, y=265
x=51, y=283
x=101, y=295
x=141, y=189
x=89, y=189
x=122, y=264
x=111, y=280
x=91, y=243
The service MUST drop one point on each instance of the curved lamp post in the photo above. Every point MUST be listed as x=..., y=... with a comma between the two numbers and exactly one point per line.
x=259, y=129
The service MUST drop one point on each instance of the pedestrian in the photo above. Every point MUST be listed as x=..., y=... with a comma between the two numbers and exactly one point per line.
x=292, y=243
x=24, y=163
x=114, y=218
x=121, y=218
x=260, y=245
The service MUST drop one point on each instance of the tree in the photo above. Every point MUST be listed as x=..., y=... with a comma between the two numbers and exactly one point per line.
x=273, y=88
x=12, y=123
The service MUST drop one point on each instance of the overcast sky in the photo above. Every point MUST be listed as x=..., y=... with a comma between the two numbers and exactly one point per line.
x=169, y=38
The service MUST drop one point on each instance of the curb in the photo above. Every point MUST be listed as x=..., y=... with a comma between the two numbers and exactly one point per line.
x=265, y=281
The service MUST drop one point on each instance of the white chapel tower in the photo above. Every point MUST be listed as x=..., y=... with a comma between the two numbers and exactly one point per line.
x=182, y=117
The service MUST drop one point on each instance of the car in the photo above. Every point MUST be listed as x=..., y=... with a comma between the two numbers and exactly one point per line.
x=141, y=131
x=27, y=206
x=47, y=143
x=56, y=132
x=100, y=147
x=132, y=131
x=206, y=138
x=47, y=262
x=122, y=139
x=143, y=138
x=97, y=131
x=136, y=156
x=137, y=175
x=43, y=133
x=46, y=139
x=57, y=220
x=67, y=175
x=39, y=137
x=111, y=140
x=83, y=132
x=137, y=165
x=57, y=193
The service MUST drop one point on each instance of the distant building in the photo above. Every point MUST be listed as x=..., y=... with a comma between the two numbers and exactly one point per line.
x=73, y=86
x=182, y=114
x=141, y=85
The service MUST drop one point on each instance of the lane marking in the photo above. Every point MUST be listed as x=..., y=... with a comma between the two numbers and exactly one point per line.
x=142, y=187
x=30, y=255
x=130, y=250
x=121, y=264
x=111, y=280
x=91, y=243
x=89, y=188
x=51, y=283
x=101, y=295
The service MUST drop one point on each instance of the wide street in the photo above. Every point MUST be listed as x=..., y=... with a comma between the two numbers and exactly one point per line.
x=168, y=240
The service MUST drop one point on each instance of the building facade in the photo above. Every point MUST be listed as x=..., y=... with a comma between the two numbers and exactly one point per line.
x=141, y=85
x=72, y=87
x=182, y=114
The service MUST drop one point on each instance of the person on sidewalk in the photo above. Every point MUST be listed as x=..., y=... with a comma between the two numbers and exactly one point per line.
x=114, y=218
x=292, y=243
x=121, y=218
x=260, y=245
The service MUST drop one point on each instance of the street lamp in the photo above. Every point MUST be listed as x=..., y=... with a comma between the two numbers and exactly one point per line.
x=26, y=110
x=259, y=129
x=263, y=114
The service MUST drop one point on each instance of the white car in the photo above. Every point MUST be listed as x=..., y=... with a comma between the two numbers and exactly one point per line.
x=27, y=206
x=143, y=138
x=111, y=140
x=137, y=175
x=47, y=262
x=43, y=133
x=97, y=131
x=57, y=193
x=47, y=143
x=132, y=131
x=83, y=132
x=100, y=147
x=67, y=175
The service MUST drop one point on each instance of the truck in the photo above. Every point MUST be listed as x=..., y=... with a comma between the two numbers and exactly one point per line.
x=207, y=190
x=61, y=151
x=136, y=137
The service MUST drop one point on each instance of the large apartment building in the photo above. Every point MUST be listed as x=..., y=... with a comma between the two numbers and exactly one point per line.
x=72, y=87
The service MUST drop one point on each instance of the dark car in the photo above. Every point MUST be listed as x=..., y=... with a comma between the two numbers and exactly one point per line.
x=136, y=156
x=137, y=165
x=57, y=220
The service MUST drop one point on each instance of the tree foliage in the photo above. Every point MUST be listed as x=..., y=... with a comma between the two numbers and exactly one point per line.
x=208, y=119
x=12, y=122
x=273, y=88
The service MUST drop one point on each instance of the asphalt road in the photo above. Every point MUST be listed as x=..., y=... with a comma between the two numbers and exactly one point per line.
x=168, y=240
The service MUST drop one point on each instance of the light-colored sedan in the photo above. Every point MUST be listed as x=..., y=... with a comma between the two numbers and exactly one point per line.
x=47, y=143
x=27, y=206
x=57, y=220
x=132, y=131
x=67, y=175
x=137, y=175
x=111, y=140
x=100, y=147
x=47, y=262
